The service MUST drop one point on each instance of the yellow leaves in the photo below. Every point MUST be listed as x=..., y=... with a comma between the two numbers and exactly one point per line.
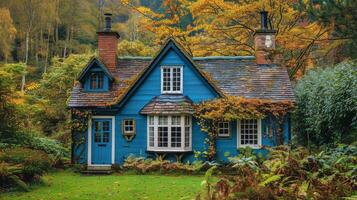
x=7, y=32
x=32, y=86
x=233, y=108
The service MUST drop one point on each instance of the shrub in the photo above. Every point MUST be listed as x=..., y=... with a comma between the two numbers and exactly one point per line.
x=326, y=105
x=293, y=174
x=142, y=165
x=32, y=163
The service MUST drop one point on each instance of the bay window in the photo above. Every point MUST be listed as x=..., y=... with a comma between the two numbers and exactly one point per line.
x=169, y=133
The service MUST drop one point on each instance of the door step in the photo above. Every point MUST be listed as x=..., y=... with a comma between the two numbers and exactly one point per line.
x=99, y=167
x=98, y=170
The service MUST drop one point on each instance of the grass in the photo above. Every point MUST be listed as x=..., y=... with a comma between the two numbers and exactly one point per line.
x=68, y=185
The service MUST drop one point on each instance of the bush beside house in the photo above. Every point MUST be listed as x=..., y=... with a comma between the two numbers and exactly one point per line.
x=326, y=106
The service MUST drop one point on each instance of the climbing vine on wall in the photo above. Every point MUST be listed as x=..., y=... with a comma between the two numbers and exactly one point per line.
x=79, y=125
x=230, y=108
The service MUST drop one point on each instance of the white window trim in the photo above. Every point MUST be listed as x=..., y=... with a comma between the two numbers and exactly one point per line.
x=169, y=148
x=229, y=130
x=128, y=132
x=89, y=157
x=258, y=146
x=171, y=79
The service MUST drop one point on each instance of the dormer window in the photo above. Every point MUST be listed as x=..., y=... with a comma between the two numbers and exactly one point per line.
x=171, y=79
x=97, y=81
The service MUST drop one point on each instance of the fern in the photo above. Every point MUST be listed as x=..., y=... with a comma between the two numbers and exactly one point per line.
x=18, y=182
x=271, y=179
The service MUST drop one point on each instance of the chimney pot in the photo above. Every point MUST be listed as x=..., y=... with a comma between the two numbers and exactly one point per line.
x=108, y=22
x=264, y=20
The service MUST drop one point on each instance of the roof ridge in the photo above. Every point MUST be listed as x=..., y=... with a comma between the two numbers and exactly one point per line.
x=194, y=58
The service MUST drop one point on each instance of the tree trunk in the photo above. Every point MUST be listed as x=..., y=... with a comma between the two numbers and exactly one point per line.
x=47, y=47
x=23, y=80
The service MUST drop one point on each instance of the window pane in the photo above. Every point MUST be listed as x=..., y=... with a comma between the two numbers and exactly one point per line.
x=176, y=76
x=151, y=120
x=175, y=136
x=162, y=136
x=106, y=137
x=97, y=137
x=106, y=126
x=166, y=79
x=100, y=80
x=176, y=120
x=163, y=120
x=249, y=132
x=97, y=126
x=151, y=136
x=187, y=136
x=93, y=81
x=187, y=120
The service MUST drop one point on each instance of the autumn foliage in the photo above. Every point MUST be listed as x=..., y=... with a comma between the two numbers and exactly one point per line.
x=230, y=108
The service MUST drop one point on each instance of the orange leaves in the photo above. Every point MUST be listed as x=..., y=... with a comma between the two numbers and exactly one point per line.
x=231, y=108
x=236, y=108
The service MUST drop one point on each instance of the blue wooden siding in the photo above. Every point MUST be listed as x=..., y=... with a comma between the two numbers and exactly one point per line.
x=196, y=89
x=193, y=87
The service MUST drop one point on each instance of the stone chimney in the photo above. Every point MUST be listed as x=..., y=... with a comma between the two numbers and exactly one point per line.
x=264, y=41
x=107, y=44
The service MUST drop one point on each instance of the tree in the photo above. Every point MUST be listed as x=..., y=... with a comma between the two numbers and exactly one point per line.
x=50, y=98
x=135, y=48
x=342, y=15
x=326, y=105
x=218, y=27
x=10, y=114
x=7, y=33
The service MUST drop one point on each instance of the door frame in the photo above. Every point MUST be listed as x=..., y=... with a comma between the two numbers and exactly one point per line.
x=89, y=157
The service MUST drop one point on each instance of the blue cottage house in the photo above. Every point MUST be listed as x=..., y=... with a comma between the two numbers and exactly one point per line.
x=144, y=106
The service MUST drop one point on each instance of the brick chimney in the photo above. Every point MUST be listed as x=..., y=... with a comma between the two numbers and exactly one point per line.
x=107, y=44
x=264, y=41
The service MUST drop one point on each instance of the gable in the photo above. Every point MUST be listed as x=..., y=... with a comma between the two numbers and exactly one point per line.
x=94, y=64
x=95, y=73
x=193, y=77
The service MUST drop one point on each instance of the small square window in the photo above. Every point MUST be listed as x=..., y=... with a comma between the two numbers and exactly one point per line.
x=128, y=127
x=223, y=129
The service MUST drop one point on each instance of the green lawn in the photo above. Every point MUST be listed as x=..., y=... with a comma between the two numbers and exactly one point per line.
x=69, y=185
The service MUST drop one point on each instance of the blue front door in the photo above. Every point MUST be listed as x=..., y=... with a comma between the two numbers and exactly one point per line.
x=102, y=141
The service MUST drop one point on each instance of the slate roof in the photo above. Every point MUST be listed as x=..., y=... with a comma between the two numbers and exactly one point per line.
x=237, y=76
x=169, y=104
x=127, y=69
x=240, y=76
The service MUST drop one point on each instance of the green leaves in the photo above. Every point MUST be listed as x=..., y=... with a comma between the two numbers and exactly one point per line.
x=270, y=179
x=326, y=109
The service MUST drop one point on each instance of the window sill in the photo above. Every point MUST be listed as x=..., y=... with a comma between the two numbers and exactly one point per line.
x=96, y=91
x=250, y=146
x=172, y=92
x=168, y=150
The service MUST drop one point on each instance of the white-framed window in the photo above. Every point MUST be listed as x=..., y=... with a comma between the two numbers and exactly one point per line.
x=249, y=133
x=128, y=126
x=223, y=129
x=169, y=132
x=171, y=79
